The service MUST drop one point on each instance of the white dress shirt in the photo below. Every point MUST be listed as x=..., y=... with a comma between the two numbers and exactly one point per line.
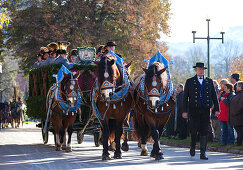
x=200, y=79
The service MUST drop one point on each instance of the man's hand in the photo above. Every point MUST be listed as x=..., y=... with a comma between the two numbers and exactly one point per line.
x=217, y=113
x=185, y=115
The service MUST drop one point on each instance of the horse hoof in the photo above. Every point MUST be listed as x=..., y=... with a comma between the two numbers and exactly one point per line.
x=58, y=149
x=106, y=157
x=64, y=147
x=117, y=156
x=110, y=148
x=159, y=157
x=125, y=147
x=68, y=149
x=144, y=153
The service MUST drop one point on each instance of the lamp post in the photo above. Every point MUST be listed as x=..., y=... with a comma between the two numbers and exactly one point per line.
x=208, y=38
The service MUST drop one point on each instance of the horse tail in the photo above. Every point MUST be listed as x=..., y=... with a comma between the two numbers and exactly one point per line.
x=112, y=128
x=141, y=127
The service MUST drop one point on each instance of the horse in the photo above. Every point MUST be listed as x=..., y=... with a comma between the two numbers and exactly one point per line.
x=6, y=114
x=153, y=106
x=16, y=114
x=64, y=99
x=112, y=100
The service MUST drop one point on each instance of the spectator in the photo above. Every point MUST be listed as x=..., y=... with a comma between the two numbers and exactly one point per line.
x=51, y=58
x=214, y=119
x=181, y=122
x=234, y=78
x=38, y=63
x=62, y=59
x=45, y=55
x=236, y=112
x=227, y=131
x=216, y=86
x=73, y=58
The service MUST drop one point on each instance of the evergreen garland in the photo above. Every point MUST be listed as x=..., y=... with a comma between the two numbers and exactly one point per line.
x=36, y=105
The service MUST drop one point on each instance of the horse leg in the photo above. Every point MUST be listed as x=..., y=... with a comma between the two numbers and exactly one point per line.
x=125, y=146
x=105, y=134
x=63, y=139
x=144, y=149
x=156, y=152
x=118, y=134
x=70, y=131
x=57, y=125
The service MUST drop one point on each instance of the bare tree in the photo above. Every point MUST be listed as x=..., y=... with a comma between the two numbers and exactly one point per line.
x=225, y=53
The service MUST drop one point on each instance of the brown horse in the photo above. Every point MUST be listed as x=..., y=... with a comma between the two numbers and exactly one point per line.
x=112, y=100
x=153, y=106
x=65, y=100
x=15, y=114
x=6, y=114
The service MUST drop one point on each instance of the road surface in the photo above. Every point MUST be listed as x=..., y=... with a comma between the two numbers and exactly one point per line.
x=23, y=149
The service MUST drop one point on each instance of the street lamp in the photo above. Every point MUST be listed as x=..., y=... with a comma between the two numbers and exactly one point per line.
x=208, y=38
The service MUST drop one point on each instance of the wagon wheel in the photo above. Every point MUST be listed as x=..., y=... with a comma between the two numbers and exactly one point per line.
x=46, y=134
x=97, y=139
x=80, y=137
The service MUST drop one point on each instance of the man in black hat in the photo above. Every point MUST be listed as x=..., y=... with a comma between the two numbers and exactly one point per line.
x=199, y=97
x=234, y=78
x=110, y=46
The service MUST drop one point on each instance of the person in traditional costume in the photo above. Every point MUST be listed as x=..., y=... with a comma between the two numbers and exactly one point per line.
x=62, y=55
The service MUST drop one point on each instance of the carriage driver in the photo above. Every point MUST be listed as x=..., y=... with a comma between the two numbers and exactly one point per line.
x=199, y=97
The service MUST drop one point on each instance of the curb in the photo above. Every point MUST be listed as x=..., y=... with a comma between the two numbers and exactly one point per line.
x=210, y=148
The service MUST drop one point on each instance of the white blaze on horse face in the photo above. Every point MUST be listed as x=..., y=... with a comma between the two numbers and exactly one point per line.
x=107, y=92
x=154, y=83
x=153, y=99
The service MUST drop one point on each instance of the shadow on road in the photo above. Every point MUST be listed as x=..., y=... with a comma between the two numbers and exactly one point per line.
x=41, y=156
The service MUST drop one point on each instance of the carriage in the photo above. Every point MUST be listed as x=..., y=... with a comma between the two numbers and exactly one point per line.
x=40, y=81
x=108, y=97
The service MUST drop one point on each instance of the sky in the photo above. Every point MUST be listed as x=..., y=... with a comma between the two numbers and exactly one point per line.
x=188, y=15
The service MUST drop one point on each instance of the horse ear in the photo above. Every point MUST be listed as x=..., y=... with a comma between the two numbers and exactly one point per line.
x=128, y=65
x=161, y=71
x=145, y=70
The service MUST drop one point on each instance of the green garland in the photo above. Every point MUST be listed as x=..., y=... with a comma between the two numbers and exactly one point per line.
x=36, y=105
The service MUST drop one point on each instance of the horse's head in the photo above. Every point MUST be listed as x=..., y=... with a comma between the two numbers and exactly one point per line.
x=69, y=88
x=156, y=81
x=108, y=74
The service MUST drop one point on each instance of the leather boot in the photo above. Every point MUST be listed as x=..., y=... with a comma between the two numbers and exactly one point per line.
x=203, y=147
x=193, y=145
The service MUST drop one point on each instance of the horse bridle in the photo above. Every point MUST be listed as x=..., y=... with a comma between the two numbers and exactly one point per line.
x=107, y=88
x=154, y=96
x=73, y=94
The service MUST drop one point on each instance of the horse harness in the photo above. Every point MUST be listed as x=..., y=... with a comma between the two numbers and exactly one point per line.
x=164, y=95
x=59, y=101
x=116, y=97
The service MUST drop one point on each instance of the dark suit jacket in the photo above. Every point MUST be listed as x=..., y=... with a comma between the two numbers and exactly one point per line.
x=179, y=101
x=191, y=98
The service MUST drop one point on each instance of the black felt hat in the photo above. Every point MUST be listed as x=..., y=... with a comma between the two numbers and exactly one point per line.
x=236, y=76
x=110, y=44
x=200, y=65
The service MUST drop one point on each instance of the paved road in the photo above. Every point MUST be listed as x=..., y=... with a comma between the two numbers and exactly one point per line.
x=23, y=149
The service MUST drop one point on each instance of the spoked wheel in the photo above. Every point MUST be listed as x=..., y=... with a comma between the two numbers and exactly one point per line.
x=97, y=139
x=80, y=137
x=45, y=134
